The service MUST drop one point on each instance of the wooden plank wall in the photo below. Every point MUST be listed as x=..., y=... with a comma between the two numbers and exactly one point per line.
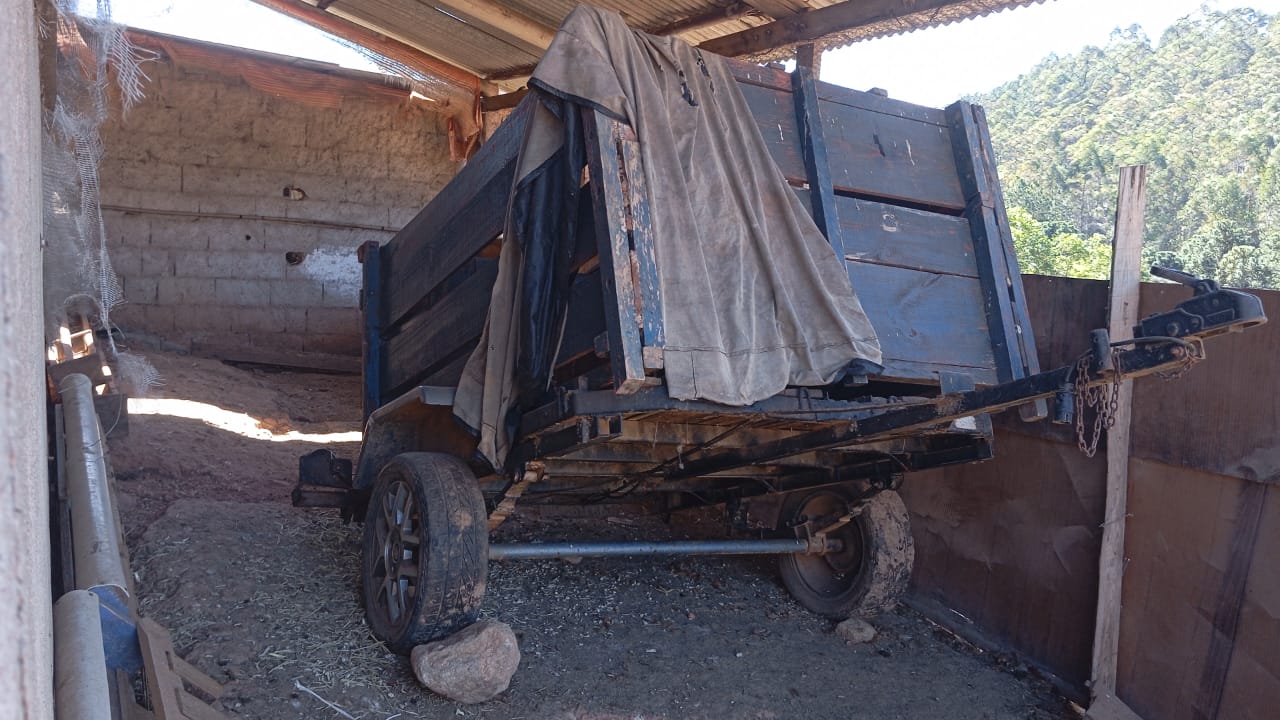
x=1012, y=545
x=898, y=198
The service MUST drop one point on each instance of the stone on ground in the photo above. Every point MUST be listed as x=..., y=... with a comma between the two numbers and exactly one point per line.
x=856, y=630
x=473, y=665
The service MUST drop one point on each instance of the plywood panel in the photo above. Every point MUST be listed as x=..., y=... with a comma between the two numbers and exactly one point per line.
x=1012, y=545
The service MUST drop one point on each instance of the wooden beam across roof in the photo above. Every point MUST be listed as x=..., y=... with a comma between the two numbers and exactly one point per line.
x=809, y=26
x=504, y=20
x=390, y=48
x=718, y=15
x=778, y=9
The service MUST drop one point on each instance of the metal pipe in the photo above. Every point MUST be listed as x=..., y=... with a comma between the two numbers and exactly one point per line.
x=544, y=551
x=99, y=562
x=80, y=681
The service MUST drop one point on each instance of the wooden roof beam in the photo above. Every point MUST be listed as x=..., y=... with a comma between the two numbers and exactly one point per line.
x=733, y=11
x=504, y=20
x=779, y=9
x=390, y=48
x=809, y=26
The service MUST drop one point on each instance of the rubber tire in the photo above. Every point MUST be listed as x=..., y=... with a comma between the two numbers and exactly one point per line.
x=452, y=554
x=887, y=556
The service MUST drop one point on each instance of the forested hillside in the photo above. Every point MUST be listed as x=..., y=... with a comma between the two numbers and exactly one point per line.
x=1201, y=108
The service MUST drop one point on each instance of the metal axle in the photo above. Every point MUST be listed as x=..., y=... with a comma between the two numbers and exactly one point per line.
x=545, y=551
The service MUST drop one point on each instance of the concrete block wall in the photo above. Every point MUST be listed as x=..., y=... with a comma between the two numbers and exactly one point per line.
x=211, y=255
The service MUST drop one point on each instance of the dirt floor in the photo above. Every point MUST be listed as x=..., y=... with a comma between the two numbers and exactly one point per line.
x=264, y=597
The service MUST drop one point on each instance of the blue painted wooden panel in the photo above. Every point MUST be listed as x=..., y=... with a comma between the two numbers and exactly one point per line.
x=927, y=322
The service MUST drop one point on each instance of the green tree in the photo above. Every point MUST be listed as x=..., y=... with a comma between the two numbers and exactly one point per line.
x=1063, y=254
x=1200, y=108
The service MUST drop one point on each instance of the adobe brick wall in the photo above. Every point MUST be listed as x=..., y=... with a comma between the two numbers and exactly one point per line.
x=198, y=228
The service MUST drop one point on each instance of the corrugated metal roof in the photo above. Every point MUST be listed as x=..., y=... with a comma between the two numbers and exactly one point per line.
x=953, y=13
x=500, y=38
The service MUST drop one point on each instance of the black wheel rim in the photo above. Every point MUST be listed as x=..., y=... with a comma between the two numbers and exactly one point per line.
x=836, y=573
x=398, y=539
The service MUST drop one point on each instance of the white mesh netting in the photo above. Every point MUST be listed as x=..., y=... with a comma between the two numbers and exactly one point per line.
x=95, y=55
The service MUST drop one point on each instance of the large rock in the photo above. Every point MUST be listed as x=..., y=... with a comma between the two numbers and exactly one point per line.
x=856, y=630
x=473, y=665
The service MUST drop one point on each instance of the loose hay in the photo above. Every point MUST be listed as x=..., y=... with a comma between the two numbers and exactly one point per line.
x=264, y=597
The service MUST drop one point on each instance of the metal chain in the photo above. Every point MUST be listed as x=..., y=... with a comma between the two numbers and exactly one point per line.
x=1104, y=400
x=1195, y=353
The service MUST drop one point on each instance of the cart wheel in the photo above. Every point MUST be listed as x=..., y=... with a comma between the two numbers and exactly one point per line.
x=870, y=574
x=425, y=551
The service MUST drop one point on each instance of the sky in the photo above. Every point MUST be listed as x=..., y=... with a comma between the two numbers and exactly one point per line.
x=930, y=67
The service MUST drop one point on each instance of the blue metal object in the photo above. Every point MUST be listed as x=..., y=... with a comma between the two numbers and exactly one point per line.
x=119, y=631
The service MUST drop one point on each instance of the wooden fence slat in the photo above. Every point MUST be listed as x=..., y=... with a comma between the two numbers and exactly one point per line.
x=1122, y=314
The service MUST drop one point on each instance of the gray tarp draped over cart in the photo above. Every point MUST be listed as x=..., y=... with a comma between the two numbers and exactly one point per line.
x=754, y=299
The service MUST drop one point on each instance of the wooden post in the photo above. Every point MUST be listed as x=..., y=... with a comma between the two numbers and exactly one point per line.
x=1122, y=314
x=809, y=55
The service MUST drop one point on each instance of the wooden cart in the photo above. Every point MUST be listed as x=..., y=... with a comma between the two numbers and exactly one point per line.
x=908, y=196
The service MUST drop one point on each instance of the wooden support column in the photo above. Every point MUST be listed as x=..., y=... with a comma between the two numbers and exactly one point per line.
x=809, y=55
x=1122, y=314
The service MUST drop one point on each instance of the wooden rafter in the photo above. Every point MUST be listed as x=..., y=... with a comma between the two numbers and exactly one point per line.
x=733, y=11
x=779, y=9
x=391, y=48
x=504, y=20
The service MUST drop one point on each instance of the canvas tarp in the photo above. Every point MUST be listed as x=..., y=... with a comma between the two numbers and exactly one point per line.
x=754, y=298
